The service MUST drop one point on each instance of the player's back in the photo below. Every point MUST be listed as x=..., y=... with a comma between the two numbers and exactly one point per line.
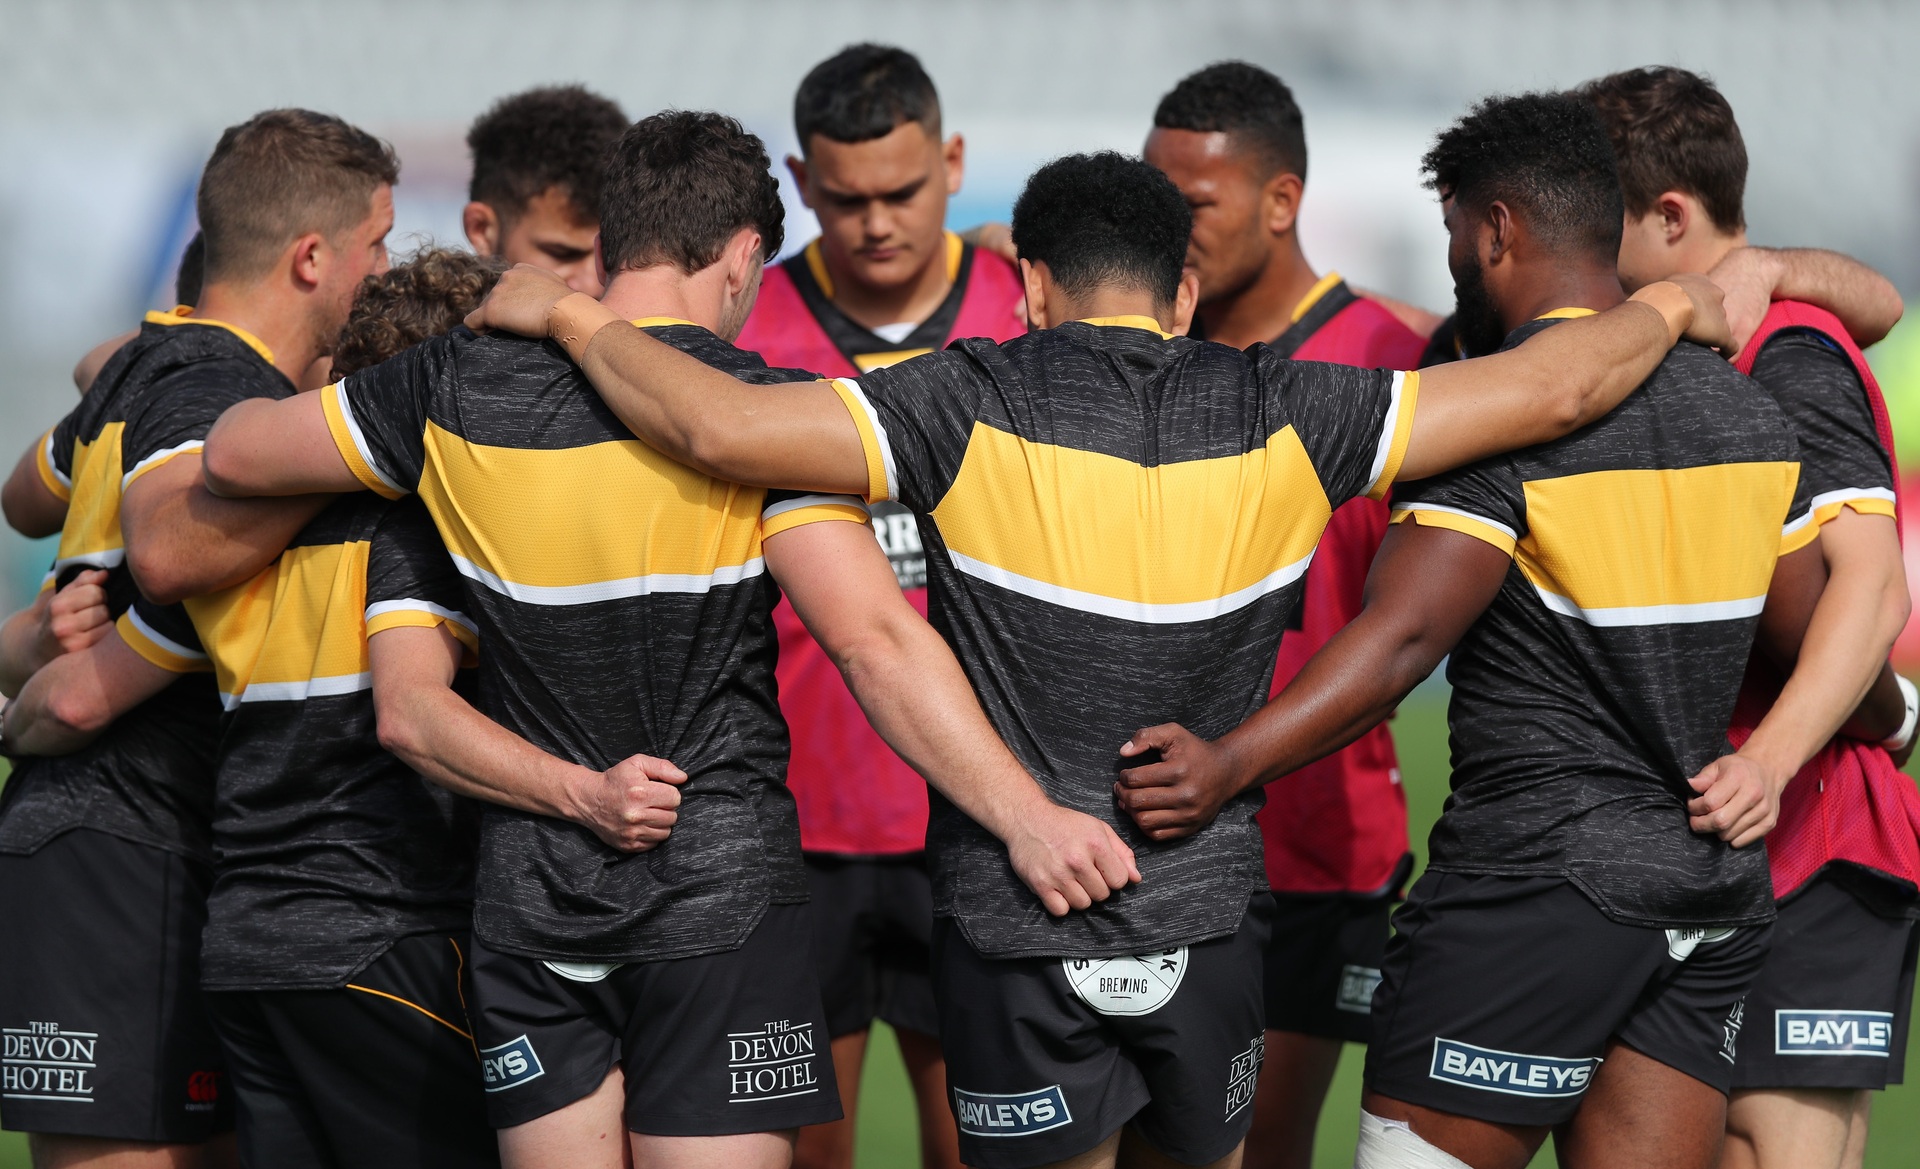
x=1603, y=674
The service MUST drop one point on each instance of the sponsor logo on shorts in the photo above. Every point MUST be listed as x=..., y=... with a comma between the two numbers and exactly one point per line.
x=1137, y=985
x=1833, y=1033
x=1243, y=1072
x=1682, y=942
x=1010, y=1114
x=509, y=1065
x=1730, y=1030
x=44, y=1062
x=1509, y=1071
x=203, y=1091
x=772, y=1063
x=1356, y=989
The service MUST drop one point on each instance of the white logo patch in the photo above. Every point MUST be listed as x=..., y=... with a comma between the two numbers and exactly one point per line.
x=1356, y=989
x=45, y=1063
x=1681, y=942
x=1139, y=985
x=772, y=1063
x=1243, y=1073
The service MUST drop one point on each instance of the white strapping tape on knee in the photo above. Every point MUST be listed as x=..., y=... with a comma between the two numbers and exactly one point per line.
x=1390, y=1144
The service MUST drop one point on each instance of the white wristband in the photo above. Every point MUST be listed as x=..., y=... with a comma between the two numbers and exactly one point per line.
x=1901, y=738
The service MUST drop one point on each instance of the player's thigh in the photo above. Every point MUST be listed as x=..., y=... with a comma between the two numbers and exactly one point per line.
x=753, y=1150
x=927, y=1070
x=586, y=1133
x=1793, y=1128
x=1286, y=1104
x=546, y=1041
x=830, y=1145
x=1643, y=1113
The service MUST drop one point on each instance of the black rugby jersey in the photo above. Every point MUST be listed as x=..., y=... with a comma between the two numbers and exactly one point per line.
x=329, y=849
x=1117, y=526
x=1604, y=673
x=149, y=777
x=625, y=609
x=1841, y=459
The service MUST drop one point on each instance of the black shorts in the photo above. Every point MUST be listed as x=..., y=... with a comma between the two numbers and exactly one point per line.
x=106, y=1031
x=873, y=941
x=1323, y=964
x=381, y=1073
x=715, y=1045
x=1047, y=1057
x=1833, y=1003
x=1499, y=996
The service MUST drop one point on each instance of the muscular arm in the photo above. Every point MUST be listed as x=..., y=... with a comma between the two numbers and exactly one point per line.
x=56, y=623
x=182, y=540
x=76, y=696
x=439, y=734
x=1427, y=587
x=1866, y=302
x=266, y=447
x=1556, y=382
x=914, y=693
x=31, y=507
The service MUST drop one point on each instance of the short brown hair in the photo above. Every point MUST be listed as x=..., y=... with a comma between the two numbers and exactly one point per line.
x=1671, y=130
x=280, y=175
x=555, y=136
x=430, y=293
x=679, y=185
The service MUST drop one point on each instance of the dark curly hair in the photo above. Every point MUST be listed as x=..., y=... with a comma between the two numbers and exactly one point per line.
x=861, y=93
x=1104, y=219
x=1250, y=105
x=1673, y=131
x=1545, y=156
x=557, y=136
x=679, y=185
x=425, y=296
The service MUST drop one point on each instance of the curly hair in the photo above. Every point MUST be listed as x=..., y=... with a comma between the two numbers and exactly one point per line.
x=423, y=297
x=1546, y=156
x=1250, y=105
x=1104, y=219
x=557, y=136
x=861, y=93
x=1673, y=131
x=679, y=185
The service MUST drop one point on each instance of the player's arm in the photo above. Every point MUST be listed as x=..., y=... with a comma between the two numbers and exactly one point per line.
x=913, y=691
x=798, y=435
x=1427, y=586
x=435, y=731
x=1866, y=302
x=34, y=499
x=183, y=540
x=56, y=623
x=75, y=697
x=263, y=446
x=1559, y=380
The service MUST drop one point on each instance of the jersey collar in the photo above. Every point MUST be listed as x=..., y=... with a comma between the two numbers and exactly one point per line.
x=657, y=322
x=1320, y=288
x=1130, y=321
x=181, y=316
x=1563, y=314
x=817, y=263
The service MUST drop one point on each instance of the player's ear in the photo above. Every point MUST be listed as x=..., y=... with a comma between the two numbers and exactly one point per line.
x=743, y=260
x=1280, y=198
x=1497, y=234
x=1031, y=278
x=954, y=150
x=1676, y=215
x=482, y=226
x=308, y=259
x=797, y=168
x=1185, y=299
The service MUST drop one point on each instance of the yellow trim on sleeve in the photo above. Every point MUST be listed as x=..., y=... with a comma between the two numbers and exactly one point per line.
x=1130, y=321
x=1455, y=522
x=1402, y=433
x=48, y=475
x=1320, y=288
x=421, y=619
x=177, y=317
x=812, y=514
x=350, y=450
x=138, y=641
x=155, y=462
x=1827, y=513
x=1799, y=536
x=1565, y=314
x=869, y=441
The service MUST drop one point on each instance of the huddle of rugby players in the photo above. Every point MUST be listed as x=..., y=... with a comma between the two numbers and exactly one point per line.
x=545, y=715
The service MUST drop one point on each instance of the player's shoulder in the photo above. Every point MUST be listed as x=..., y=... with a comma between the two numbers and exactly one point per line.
x=711, y=349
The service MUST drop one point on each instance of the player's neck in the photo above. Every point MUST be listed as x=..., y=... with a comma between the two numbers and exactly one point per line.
x=1535, y=293
x=1699, y=254
x=1263, y=309
x=281, y=319
x=662, y=290
x=914, y=299
x=1104, y=304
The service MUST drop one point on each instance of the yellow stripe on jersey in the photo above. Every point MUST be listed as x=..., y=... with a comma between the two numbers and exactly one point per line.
x=91, y=534
x=1565, y=314
x=417, y=614
x=956, y=251
x=296, y=630
x=1174, y=543
x=352, y=447
x=1434, y=515
x=59, y=484
x=1828, y=505
x=533, y=524
x=873, y=440
x=1320, y=288
x=157, y=648
x=868, y=362
x=1658, y=547
x=178, y=317
x=812, y=509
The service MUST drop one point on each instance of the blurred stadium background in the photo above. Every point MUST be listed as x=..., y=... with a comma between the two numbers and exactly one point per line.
x=107, y=108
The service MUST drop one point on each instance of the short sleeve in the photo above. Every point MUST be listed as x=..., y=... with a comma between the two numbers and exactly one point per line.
x=1354, y=422
x=1842, y=463
x=1485, y=500
x=786, y=510
x=173, y=417
x=378, y=416
x=915, y=419
x=53, y=459
x=1801, y=526
x=163, y=635
x=411, y=580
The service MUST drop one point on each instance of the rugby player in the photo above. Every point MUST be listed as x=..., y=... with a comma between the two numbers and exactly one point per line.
x=1829, y=1011
x=1586, y=901
x=534, y=198
x=687, y=971
x=105, y=853
x=884, y=281
x=1231, y=138
x=1097, y=495
x=336, y=937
